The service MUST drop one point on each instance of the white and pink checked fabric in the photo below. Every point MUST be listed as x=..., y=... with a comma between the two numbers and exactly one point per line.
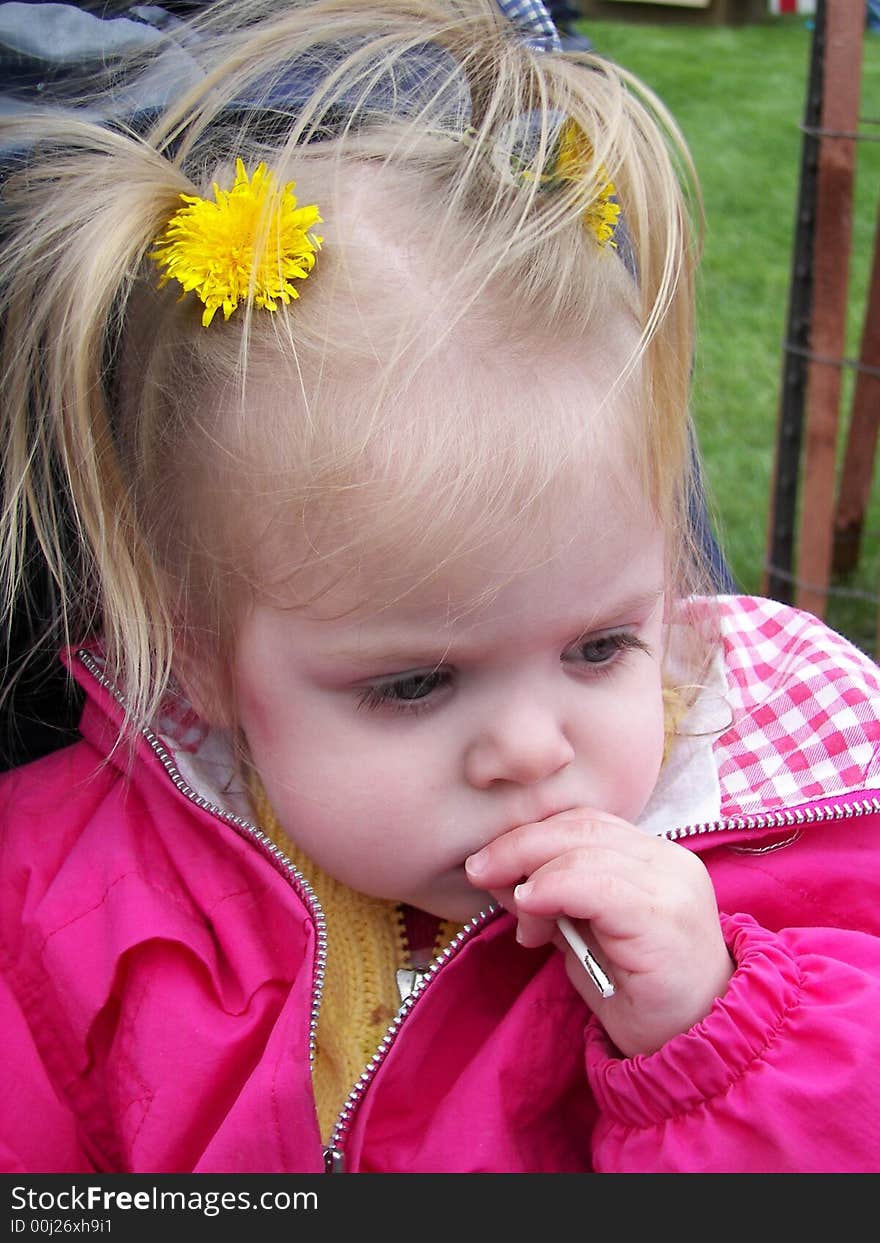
x=806, y=710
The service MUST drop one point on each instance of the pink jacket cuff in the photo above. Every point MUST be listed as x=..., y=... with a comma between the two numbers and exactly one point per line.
x=704, y=1062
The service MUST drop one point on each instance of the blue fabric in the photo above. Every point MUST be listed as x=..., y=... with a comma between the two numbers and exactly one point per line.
x=534, y=23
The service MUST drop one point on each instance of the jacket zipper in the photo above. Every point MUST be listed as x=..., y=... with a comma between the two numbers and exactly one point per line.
x=779, y=819
x=245, y=828
x=334, y=1153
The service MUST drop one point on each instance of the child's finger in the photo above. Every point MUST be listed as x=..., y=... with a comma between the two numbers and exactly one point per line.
x=533, y=930
x=522, y=850
x=589, y=876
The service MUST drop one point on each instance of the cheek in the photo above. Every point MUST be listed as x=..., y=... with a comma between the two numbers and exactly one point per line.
x=295, y=753
x=324, y=769
x=365, y=815
x=629, y=749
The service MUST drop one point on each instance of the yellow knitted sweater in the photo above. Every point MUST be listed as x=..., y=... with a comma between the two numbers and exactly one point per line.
x=366, y=945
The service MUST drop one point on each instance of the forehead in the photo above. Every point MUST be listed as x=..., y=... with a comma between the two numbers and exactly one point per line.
x=595, y=549
x=485, y=462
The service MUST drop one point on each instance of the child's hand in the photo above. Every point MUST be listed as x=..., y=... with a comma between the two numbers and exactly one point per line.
x=653, y=919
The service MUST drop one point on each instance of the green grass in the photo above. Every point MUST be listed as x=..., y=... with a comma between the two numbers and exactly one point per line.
x=738, y=94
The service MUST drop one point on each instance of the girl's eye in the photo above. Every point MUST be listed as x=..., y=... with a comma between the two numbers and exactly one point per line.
x=404, y=693
x=604, y=649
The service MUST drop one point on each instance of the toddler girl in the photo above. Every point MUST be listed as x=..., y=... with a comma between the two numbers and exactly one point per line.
x=430, y=813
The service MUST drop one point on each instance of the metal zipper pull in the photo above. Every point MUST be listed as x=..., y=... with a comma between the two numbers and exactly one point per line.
x=334, y=1161
x=407, y=979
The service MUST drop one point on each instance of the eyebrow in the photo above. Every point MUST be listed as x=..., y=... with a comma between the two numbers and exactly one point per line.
x=406, y=653
x=618, y=610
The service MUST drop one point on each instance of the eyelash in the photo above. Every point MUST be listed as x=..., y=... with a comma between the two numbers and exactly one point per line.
x=620, y=641
x=387, y=694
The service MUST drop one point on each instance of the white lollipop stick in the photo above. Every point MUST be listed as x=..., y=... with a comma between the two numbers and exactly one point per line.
x=597, y=973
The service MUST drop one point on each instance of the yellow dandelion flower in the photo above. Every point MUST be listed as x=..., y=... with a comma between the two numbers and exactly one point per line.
x=574, y=155
x=250, y=243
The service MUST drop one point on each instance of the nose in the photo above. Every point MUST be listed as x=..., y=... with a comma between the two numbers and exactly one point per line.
x=523, y=747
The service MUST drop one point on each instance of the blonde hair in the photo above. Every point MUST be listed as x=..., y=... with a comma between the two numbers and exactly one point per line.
x=426, y=133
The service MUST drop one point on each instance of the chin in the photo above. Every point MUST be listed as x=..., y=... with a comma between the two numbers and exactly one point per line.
x=459, y=909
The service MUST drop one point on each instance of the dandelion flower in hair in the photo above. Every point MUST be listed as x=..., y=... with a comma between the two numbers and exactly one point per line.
x=574, y=156
x=250, y=243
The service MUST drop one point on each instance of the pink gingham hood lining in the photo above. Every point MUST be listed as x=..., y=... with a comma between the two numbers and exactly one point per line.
x=805, y=705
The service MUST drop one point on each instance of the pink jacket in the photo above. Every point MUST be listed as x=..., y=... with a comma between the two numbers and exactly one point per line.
x=162, y=969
